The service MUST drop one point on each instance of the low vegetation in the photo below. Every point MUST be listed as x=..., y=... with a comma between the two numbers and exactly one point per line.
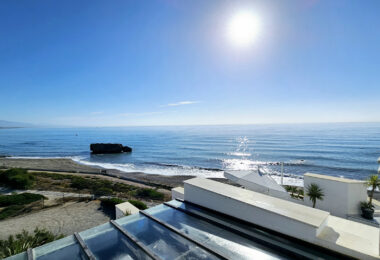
x=108, y=206
x=12, y=211
x=21, y=242
x=149, y=193
x=295, y=192
x=93, y=185
x=17, y=178
x=138, y=204
x=16, y=204
x=22, y=179
x=111, y=202
x=19, y=199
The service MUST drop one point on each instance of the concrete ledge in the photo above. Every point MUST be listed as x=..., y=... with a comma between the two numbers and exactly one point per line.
x=126, y=207
x=351, y=238
x=178, y=193
x=311, y=225
x=332, y=178
x=279, y=215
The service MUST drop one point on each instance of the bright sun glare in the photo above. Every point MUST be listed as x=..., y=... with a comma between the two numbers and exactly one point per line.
x=243, y=29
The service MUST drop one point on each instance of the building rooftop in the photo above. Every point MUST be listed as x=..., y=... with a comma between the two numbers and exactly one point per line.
x=218, y=221
x=291, y=210
x=332, y=178
x=176, y=230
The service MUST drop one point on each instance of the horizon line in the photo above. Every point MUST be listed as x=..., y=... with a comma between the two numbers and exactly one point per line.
x=173, y=125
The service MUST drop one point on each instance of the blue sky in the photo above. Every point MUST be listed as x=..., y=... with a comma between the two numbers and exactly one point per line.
x=167, y=62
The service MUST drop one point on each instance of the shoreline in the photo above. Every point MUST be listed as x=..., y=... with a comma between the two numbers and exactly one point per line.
x=67, y=166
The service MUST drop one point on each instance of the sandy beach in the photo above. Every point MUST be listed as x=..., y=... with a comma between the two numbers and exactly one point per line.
x=64, y=165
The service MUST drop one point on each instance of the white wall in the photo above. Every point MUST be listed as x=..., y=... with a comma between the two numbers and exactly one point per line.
x=177, y=193
x=122, y=208
x=312, y=225
x=342, y=196
x=277, y=214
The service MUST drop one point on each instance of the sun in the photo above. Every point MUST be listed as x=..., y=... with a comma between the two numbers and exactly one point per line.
x=243, y=29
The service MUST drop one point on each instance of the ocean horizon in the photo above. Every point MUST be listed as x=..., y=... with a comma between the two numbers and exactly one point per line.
x=341, y=149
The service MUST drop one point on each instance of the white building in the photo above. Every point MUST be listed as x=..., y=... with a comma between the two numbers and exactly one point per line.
x=311, y=225
x=255, y=181
x=342, y=196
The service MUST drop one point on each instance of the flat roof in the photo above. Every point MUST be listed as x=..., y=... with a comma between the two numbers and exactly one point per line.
x=332, y=178
x=177, y=230
x=311, y=216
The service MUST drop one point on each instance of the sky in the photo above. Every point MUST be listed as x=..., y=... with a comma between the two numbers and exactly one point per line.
x=168, y=62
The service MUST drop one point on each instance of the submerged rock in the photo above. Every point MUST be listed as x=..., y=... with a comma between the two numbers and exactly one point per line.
x=101, y=148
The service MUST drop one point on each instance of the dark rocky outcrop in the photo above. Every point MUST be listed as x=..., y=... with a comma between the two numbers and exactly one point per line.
x=127, y=149
x=101, y=148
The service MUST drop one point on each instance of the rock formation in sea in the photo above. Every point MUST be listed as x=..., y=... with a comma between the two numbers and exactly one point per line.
x=101, y=148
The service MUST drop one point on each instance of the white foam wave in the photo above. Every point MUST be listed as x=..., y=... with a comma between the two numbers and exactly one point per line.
x=161, y=170
x=230, y=164
x=242, y=164
x=239, y=154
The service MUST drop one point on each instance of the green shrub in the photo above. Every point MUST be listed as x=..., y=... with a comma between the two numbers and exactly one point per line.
x=101, y=187
x=111, y=201
x=19, y=199
x=108, y=206
x=81, y=183
x=97, y=187
x=21, y=242
x=138, y=204
x=11, y=211
x=17, y=178
x=121, y=187
x=53, y=176
x=149, y=194
x=103, y=191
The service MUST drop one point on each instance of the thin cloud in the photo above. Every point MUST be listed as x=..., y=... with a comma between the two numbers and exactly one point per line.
x=181, y=103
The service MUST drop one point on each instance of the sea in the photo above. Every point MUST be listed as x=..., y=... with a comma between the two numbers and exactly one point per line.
x=346, y=150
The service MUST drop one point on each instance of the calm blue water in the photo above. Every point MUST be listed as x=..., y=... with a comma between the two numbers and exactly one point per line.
x=349, y=150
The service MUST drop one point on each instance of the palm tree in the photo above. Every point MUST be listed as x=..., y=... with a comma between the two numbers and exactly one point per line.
x=300, y=193
x=374, y=182
x=314, y=192
x=291, y=189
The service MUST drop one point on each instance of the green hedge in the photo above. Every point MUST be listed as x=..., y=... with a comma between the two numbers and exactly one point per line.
x=19, y=199
x=11, y=211
x=138, y=204
x=111, y=202
x=101, y=187
x=150, y=194
x=17, y=178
